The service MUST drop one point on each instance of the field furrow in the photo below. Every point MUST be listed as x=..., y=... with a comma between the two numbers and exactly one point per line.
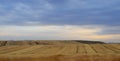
x=117, y=46
x=50, y=50
x=109, y=46
x=101, y=49
x=68, y=50
x=8, y=49
x=89, y=49
x=81, y=49
x=28, y=50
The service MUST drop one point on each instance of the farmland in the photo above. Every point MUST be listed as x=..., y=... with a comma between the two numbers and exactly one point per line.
x=58, y=51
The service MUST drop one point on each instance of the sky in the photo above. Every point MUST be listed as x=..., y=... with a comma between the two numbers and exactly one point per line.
x=97, y=20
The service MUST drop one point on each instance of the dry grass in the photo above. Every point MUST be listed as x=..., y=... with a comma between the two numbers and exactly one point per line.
x=60, y=52
x=61, y=58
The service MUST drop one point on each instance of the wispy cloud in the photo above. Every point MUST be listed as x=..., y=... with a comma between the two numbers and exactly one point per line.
x=56, y=32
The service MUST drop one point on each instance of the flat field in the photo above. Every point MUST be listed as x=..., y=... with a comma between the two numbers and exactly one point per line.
x=49, y=51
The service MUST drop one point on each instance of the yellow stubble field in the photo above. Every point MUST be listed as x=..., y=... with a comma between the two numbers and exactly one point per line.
x=48, y=51
x=64, y=52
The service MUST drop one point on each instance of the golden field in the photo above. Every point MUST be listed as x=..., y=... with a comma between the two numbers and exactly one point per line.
x=58, y=51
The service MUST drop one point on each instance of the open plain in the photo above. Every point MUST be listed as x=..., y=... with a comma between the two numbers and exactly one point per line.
x=58, y=51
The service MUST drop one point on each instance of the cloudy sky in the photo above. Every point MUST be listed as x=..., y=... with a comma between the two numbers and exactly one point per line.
x=60, y=19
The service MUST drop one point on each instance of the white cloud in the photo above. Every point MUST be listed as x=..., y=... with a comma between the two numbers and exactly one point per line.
x=56, y=32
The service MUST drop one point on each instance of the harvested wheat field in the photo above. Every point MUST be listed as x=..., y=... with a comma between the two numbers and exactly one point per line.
x=49, y=51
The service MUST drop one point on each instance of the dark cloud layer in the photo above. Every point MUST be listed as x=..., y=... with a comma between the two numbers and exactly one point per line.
x=114, y=30
x=60, y=12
